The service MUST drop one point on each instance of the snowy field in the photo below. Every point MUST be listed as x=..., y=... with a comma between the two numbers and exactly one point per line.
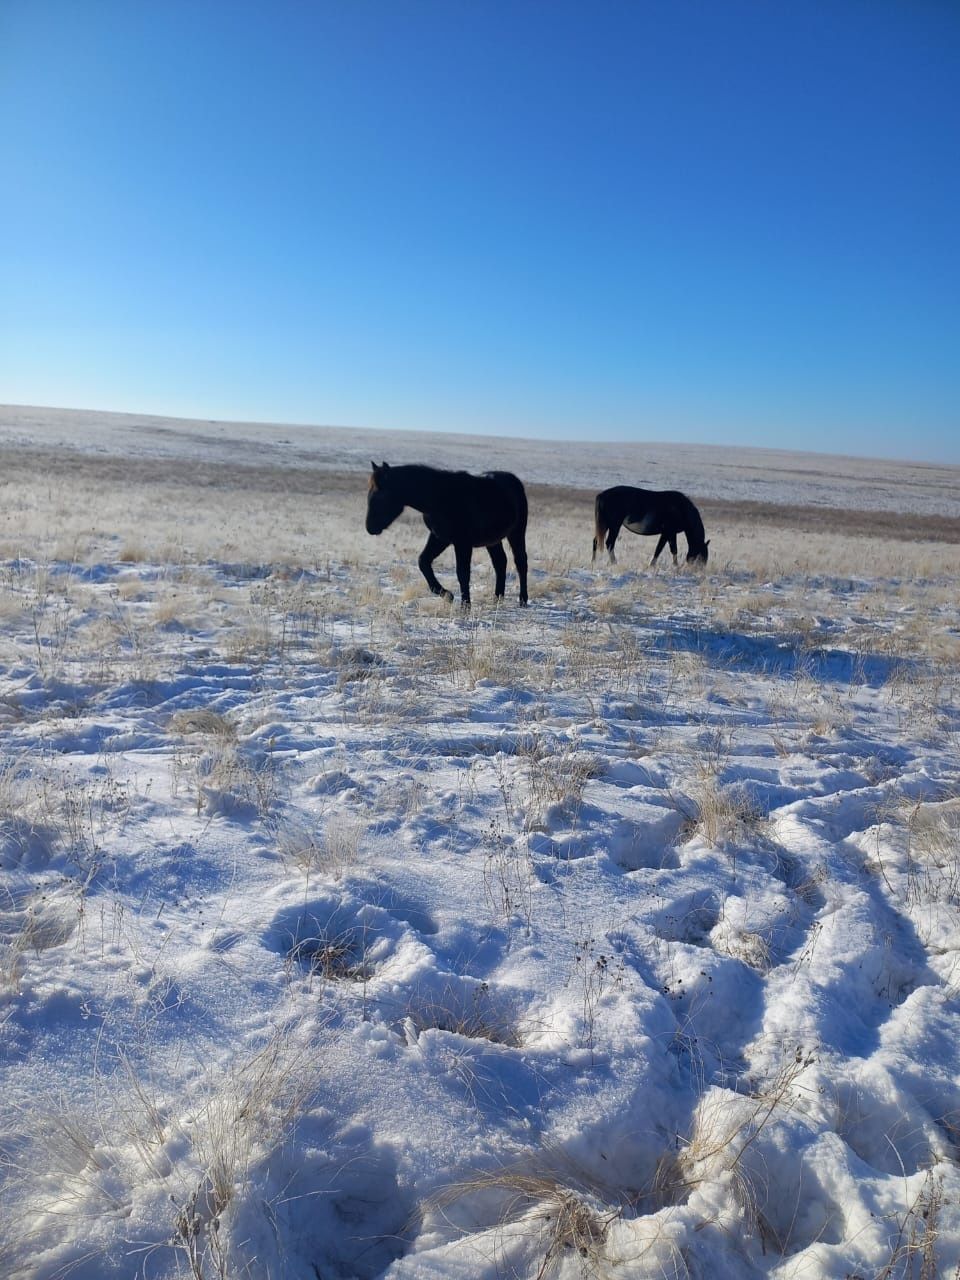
x=758, y=475
x=343, y=935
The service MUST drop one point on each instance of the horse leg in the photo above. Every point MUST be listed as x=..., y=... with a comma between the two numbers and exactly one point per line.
x=499, y=558
x=612, y=533
x=672, y=538
x=429, y=553
x=598, y=537
x=518, y=545
x=660, y=545
x=464, y=552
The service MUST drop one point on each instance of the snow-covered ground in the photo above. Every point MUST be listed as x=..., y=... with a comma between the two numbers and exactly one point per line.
x=344, y=935
x=760, y=475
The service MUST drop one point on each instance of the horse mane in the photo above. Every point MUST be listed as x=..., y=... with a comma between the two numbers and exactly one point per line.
x=422, y=469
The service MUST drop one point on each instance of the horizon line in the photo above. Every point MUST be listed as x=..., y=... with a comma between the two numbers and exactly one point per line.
x=480, y=435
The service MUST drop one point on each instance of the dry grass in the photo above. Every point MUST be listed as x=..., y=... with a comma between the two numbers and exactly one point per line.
x=466, y=1011
x=726, y=1128
x=747, y=945
x=555, y=773
x=202, y=720
x=335, y=957
x=226, y=778
x=724, y=816
x=201, y=1153
x=277, y=520
x=30, y=926
x=241, y=1115
x=328, y=847
x=558, y=1208
x=132, y=553
x=914, y=1255
x=934, y=852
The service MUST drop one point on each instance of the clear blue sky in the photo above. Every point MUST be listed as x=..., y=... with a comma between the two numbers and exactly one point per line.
x=713, y=220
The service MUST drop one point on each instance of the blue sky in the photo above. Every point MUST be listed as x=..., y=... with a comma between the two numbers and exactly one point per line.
x=731, y=222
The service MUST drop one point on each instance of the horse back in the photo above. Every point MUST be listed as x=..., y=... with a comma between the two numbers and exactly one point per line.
x=482, y=509
x=625, y=504
x=646, y=510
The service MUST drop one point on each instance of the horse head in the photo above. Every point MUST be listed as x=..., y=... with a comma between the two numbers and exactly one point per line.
x=383, y=505
x=698, y=555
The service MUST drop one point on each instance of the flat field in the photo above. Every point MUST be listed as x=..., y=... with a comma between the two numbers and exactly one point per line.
x=346, y=935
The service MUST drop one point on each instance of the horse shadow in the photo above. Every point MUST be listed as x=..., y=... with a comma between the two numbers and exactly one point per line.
x=785, y=657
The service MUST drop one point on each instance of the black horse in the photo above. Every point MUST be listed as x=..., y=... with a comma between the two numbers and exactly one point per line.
x=469, y=511
x=649, y=511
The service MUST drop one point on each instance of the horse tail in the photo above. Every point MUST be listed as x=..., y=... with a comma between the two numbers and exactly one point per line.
x=522, y=507
x=600, y=526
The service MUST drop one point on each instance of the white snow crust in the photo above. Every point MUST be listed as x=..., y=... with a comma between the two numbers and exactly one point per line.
x=346, y=935
x=708, y=471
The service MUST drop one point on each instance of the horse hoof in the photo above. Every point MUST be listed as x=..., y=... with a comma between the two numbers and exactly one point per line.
x=448, y=596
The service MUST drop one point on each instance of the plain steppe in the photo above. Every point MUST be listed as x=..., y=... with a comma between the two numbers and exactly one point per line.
x=343, y=934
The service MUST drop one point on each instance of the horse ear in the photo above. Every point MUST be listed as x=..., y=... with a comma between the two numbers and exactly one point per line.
x=374, y=466
x=384, y=466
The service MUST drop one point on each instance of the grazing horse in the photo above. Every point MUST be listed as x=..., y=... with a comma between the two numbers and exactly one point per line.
x=649, y=511
x=469, y=511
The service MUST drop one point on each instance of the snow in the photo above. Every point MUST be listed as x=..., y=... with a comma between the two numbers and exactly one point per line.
x=760, y=475
x=345, y=935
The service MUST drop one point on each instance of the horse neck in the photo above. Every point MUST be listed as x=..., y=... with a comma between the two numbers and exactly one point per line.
x=416, y=485
x=693, y=525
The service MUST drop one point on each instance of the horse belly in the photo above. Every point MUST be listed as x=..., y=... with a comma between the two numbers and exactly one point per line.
x=646, y=524
x=492, y=529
